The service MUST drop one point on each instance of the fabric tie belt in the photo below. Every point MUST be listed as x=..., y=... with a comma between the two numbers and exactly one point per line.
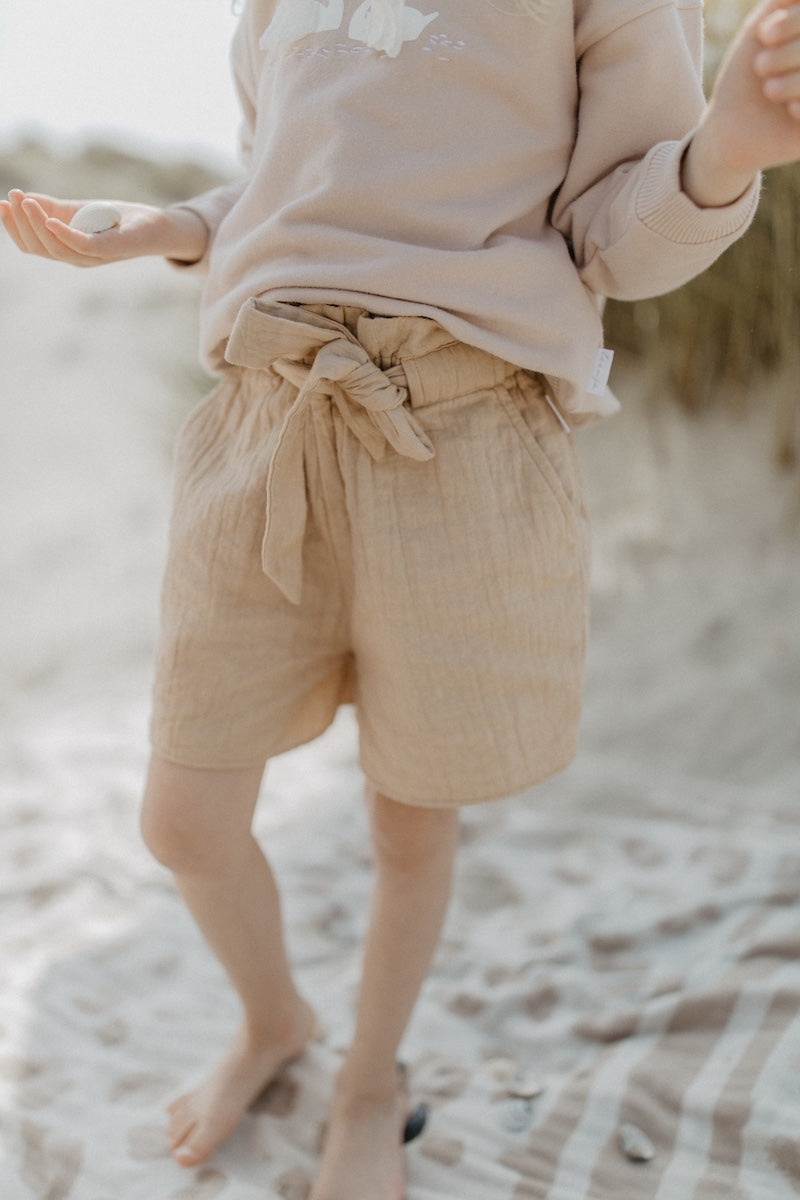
x=319, y=357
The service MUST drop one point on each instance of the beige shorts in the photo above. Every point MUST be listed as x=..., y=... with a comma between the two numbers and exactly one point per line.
x=368, y=511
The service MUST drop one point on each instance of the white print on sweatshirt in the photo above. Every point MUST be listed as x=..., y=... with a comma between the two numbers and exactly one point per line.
x=380, y=24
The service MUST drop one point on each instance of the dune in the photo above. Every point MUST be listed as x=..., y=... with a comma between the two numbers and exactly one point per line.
x=623, y=943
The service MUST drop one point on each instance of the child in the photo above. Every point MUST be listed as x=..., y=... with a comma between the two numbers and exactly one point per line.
x=380, y=501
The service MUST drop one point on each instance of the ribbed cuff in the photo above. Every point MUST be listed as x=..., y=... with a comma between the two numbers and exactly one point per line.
x=663, y=206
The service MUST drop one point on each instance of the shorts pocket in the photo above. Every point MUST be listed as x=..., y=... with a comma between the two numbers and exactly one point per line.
x=201, y=425
x=545, y=442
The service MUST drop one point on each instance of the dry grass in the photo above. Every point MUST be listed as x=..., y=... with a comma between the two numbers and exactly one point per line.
x=732, y=332
x=98, y=168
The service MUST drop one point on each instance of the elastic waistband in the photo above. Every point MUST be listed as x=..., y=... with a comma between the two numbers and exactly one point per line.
x=436, y=365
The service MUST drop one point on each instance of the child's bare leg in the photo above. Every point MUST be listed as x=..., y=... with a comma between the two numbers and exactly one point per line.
x=414, y=852
x=198, y=823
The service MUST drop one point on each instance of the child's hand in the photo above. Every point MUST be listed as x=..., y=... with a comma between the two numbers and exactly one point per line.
x=40, y=225
x=753, y=117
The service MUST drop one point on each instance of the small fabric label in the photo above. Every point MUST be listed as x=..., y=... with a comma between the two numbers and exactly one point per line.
x=600, y=373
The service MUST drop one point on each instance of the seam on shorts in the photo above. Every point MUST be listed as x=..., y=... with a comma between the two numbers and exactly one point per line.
x=535, y=452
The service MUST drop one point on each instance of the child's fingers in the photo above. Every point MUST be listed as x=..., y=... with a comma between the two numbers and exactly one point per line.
x=780, y=60
x=49, y=245
x=9, y=224
x=86, y=249
x=24, y=212
x=63, y=209
x=779, y=71
x=785, y=89
x=780, y=25
x=26, y=235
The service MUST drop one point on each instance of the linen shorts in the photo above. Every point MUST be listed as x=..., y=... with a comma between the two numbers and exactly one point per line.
x=368, y=511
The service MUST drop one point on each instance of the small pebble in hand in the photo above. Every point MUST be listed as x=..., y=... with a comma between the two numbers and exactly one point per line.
x=96, y=217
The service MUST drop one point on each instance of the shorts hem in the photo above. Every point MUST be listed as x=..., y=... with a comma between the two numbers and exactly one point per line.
x=184, y=757
x=516, y=788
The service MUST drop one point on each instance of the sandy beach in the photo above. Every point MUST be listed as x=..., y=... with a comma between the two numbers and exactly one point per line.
x=624, y=943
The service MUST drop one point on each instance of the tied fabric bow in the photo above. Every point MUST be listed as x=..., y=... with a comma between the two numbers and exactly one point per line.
x=370, y=400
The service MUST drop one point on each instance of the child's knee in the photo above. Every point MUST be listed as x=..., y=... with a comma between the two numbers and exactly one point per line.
x=190, y=818
x=166, y=828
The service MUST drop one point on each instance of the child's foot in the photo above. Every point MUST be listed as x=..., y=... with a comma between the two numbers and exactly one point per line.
x=201, y=1120
x=363, y=1155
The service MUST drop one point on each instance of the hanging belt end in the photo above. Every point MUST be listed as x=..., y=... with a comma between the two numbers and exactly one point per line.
x=286, y=574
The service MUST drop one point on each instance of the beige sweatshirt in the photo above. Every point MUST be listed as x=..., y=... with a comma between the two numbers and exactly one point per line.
x=465, y=162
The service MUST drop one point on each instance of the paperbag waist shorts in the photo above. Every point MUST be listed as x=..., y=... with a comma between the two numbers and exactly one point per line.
x=367, y=510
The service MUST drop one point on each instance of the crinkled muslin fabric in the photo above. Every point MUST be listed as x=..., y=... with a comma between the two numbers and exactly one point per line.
x=369, y=511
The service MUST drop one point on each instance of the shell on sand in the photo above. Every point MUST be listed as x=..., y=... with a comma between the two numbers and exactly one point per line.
x=634, y=1143
x=527, y=1088
x=96, y=217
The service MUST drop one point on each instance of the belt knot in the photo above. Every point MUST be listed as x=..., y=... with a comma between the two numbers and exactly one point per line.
x=318, y=356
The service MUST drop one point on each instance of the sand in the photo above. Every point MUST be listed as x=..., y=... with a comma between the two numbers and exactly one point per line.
x=626, y=938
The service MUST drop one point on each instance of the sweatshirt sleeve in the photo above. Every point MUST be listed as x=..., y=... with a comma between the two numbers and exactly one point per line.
x=631, y=229
x=213, y=206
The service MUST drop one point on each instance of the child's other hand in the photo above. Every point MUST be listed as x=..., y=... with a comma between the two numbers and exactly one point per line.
x=40, y=225
x=753, y=117
x=777, y=63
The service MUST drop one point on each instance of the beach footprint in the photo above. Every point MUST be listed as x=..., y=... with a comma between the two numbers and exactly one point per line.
x=51, y=1163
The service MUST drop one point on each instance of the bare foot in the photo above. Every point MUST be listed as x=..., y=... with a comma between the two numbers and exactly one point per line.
x=363, y=1155
x=201, y=1120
